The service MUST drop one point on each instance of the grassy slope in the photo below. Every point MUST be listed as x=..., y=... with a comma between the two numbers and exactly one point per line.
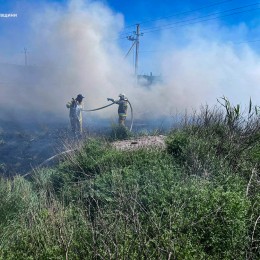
x=199, y=199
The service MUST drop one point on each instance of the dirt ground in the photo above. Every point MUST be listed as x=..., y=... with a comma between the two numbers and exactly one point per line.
x=141, y=142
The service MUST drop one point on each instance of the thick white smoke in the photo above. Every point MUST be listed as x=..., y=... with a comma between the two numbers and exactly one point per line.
x=74, y=49
x=208, y=68
x=75, y=52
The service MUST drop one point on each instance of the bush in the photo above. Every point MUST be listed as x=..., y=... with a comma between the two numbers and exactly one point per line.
x=176, y=144
x=120, y=132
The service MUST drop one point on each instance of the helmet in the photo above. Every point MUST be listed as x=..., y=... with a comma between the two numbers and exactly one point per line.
x=79, y=97
x=122, y=96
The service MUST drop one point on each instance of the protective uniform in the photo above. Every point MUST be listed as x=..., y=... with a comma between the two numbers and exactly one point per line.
x=122, y=108
x=76, y=107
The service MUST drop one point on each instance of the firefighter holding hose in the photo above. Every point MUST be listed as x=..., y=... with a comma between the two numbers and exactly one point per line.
x=122, y=108
x=75, y=106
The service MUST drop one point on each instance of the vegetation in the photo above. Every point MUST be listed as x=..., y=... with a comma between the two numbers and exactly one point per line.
x=119, y=132
x=198, y=199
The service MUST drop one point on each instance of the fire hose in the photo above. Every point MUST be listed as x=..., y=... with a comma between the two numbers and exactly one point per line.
x=50, y=159
x=99, y=108
x=72, y=150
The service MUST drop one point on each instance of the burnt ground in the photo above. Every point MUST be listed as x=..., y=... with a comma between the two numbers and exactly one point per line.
x=23, y=147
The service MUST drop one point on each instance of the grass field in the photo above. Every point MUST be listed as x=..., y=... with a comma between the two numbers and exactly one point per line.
x=196, y=199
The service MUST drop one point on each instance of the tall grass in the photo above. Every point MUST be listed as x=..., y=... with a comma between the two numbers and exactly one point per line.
x=198, y=199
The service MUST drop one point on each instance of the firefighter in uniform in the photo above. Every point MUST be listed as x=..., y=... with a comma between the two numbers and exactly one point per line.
x=75, y=106
x=122, y=108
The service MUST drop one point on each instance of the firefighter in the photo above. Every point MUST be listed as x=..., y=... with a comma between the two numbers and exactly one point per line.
x=75, y=106
x=122, y=108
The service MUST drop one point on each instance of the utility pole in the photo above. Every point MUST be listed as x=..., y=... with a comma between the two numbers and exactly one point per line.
x=25, y=56
x=137, y=48
x=136, y=42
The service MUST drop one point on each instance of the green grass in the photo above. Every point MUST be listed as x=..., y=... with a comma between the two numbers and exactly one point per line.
x=198, y=199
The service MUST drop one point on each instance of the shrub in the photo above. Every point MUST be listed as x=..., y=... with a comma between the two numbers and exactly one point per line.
x=177, y=143
x=119, y=132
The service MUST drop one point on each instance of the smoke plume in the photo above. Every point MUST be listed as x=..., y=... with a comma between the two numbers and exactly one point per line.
x=74, y=49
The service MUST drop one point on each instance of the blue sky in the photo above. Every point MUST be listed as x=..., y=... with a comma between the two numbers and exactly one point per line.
x=228, y=13
x=139, y=11
x=205, y=49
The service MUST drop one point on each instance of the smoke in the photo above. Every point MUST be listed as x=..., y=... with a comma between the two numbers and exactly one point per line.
x=208, y=67
x=74, y=49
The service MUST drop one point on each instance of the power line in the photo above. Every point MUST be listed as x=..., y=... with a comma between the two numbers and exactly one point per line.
x=135, y=40
x=235, y=43
x=124, y=35
x=181, y=13
x=187, y=22
x=200, y=21
x=196, y=18
x=130, y=49
x=186, y=12
x=258, y=40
